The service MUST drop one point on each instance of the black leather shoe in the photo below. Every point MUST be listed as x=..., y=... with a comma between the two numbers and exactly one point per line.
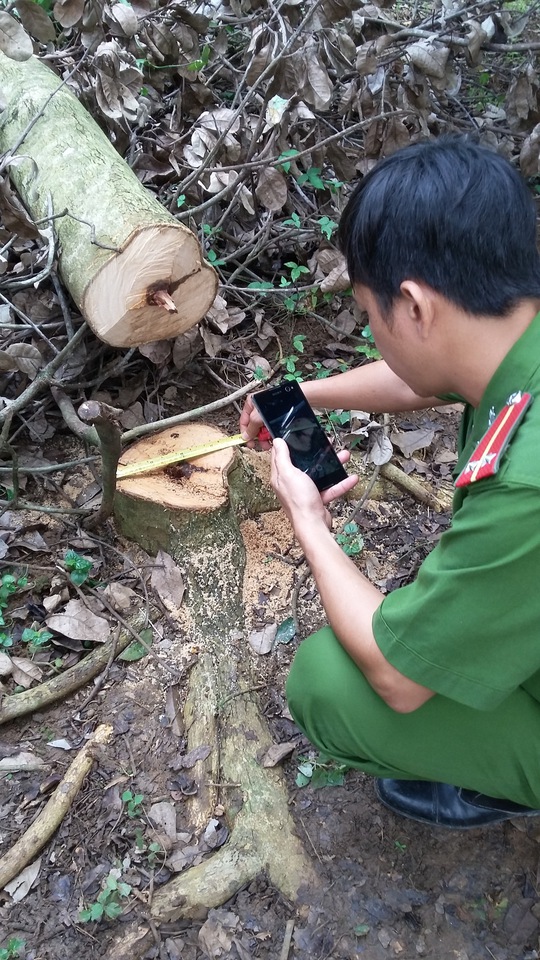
x=442, y=805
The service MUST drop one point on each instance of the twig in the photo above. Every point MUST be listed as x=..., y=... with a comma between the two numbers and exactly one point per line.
x=287, y=939
x=103, y=675
x=145, y=428
x=44, y=377
x=268, y=70
x=295, y=594
x=87, y=434
x=105, y=420
x=41, y=830
x=29, y=701
x=34, y=280
x=52, y=468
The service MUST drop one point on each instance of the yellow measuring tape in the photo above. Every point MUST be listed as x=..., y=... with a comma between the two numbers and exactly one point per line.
x=190, y=453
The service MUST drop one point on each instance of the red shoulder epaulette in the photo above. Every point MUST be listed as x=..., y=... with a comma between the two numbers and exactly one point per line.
x=486, y=459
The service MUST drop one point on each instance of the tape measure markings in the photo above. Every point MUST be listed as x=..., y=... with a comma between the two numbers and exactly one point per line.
x=168, y=459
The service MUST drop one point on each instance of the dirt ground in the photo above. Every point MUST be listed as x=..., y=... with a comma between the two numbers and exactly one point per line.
x=386, y=888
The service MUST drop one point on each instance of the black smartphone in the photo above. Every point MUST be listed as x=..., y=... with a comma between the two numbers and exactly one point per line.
x=287, y=414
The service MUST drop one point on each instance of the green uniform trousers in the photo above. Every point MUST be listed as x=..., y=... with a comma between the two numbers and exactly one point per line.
x=496, y=752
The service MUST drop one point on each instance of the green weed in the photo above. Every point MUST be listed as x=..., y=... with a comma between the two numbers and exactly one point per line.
x=350, y=540
x=78, y=567
x=108, y=904
x=320, y=772
x=12, y=949
x=133, y=802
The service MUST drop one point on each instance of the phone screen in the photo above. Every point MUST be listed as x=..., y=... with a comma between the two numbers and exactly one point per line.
x=287, y=414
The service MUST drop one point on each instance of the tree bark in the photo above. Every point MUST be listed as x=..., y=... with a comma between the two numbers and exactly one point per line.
x=196, y=515
x=136, y=274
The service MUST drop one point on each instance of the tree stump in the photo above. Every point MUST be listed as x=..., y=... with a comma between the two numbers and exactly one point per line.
x=194, y=511
x=135, y=272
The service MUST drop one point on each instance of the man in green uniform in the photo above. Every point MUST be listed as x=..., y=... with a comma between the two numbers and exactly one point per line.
x=435, y=688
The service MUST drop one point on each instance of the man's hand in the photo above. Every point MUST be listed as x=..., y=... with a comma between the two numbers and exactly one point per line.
x=251, y=424
x=298, y=494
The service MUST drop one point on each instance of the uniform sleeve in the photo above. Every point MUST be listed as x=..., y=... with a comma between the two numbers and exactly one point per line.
x=469, y=626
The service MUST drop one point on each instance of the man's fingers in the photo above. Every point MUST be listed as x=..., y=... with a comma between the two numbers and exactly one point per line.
x=339, y=489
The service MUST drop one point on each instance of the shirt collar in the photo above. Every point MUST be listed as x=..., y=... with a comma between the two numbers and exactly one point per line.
x=517, y=372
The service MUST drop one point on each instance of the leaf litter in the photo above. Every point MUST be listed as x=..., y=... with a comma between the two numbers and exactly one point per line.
x=179, y=90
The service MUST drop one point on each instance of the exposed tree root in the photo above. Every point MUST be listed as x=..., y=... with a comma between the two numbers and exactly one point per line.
x=195, y=518
x=19, y=704
x=438, y=500
x=41, y=830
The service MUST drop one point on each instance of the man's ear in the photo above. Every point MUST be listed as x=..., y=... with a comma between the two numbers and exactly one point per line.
x=420, y=307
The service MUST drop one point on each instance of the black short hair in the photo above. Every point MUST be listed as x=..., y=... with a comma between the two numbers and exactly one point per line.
x=451, y=213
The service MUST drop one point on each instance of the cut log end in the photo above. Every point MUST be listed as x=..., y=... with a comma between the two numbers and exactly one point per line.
x=199, y=485
x=157, y=288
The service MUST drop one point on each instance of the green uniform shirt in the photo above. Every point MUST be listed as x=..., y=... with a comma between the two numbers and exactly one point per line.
x=469, y=626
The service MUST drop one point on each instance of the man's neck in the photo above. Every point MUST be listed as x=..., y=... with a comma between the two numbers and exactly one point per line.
x=479, y=345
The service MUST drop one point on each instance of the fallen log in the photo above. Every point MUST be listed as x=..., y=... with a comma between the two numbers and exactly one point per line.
x=25, y=850
x=194, y=511
x=135, y=272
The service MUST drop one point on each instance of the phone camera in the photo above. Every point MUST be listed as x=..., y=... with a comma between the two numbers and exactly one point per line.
x=288, y=388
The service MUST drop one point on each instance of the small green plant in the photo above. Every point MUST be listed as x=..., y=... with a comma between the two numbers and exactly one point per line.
x=9, y=584
x=37, y=638
x=78, y=567
x=5, y=640
x=108, y=904
x=368, y=349
x=202, y=61
x=296, y=270
x=153, y=851
x=350, y=540
x=133, y=802
x=320, y=772
x=293, y=221
x=12, y=949
x=400, y=846
x=214, y=259
x=285, y=162
x=327, y=227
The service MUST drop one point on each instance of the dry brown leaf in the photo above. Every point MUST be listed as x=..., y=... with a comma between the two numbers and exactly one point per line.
x=27, y=358
x=529, y=157
x=366, y=59
x=6, y=665
x=409, y=441
x=23, y=882
x=158, y=351
x=475, y=41
x=168, y=582
x=318, y=88
x=68, y=12
x=79, y=623
x=35, y=20
x=430, y=57
x=24, y=672
x=21, y=761
x=337, y=280
x=122, y=19
x=262, y=641
x=271, y=189
x=14, y=40
x=522, y=97
x=163, y=815
x=276, y=753
x=7, y=362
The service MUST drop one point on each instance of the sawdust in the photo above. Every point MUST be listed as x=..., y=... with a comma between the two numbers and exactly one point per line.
x=268, y=580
